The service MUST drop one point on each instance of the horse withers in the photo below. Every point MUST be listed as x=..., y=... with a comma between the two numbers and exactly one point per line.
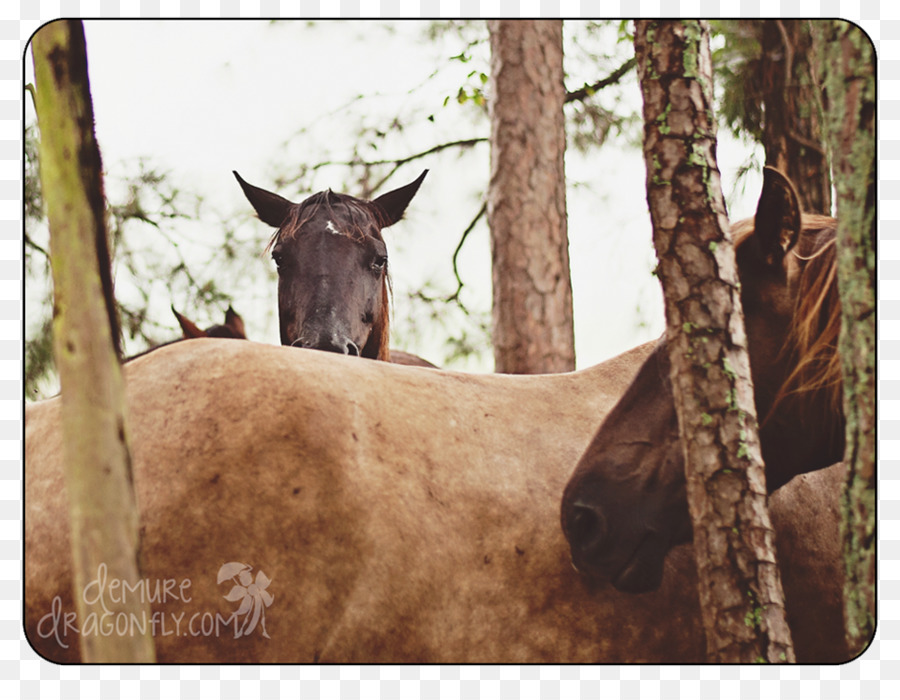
x=333, y=267
x=625, y=506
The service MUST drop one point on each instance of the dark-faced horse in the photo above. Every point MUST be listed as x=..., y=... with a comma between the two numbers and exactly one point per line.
x=333, y=267
x=625, y=506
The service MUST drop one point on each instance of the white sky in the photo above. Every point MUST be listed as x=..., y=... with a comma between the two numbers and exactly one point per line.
x=203, y=98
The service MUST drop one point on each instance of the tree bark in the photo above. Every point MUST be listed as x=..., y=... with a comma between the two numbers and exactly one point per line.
x=850, y=89
x=532, y=305
x=104, y=519
x=792, y=132
x=740, y=589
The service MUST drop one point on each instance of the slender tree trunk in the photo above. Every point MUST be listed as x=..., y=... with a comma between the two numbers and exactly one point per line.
x=792, y=132
x=740, y=589
x=104, y=520
x=532, y=308
x=850, y=88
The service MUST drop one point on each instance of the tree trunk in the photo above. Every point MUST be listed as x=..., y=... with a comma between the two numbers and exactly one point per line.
x=850, y=90
x=740, y=589
x=792, y=133
x=104, y=520
x=532, y=306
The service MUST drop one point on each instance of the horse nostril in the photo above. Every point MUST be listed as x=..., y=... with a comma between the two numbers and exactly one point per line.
x=352, y=349
x=587, y=526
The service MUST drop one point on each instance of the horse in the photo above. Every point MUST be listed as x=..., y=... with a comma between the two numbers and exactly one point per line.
x=332, y=267
x=232, y=328
x=625, y=505
x=363, y=512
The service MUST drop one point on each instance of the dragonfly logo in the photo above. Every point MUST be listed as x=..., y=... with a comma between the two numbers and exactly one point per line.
x=252, y=594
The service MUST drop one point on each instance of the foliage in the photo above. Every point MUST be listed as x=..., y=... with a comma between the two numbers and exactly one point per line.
x=423, y=315
x=736, y=62
x=38, y=338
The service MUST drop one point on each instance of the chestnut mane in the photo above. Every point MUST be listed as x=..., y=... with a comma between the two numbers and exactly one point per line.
x=812, y=344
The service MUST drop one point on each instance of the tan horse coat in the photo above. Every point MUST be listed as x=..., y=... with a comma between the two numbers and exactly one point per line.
x=401, y=515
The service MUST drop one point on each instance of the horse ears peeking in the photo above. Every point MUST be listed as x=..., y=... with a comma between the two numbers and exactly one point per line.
x=778, y=217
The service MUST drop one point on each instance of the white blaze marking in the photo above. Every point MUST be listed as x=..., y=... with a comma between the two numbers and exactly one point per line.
x=331, y=229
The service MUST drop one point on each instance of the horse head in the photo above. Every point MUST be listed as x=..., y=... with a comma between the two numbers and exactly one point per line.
x=625, y=505
x=332, y=267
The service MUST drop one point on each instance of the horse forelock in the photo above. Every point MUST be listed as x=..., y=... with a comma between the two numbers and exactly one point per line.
x=351, y=212
x=812, y=343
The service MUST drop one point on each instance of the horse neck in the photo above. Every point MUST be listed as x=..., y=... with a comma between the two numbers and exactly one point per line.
x=805, y=435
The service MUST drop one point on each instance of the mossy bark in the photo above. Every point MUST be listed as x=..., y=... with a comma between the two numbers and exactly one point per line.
x=104, y=519
x=533, y=330
x=850, y=98
x=740, y=588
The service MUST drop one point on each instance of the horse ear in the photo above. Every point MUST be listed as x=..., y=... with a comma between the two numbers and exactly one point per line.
x=777, y=223
x=394, y=203
x=234, y=321
x=188, y=327
x=271, y=208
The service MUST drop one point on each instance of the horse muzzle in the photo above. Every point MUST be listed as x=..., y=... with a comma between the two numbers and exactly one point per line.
x=340, y=344
x=598, y=553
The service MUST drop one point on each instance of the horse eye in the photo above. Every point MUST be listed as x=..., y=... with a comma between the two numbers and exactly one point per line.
x=278, y=257
x=379, y=263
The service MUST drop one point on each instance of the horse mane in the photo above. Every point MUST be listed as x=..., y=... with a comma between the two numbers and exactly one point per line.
x=383, y=329
x=812, y=343
x=358, y=209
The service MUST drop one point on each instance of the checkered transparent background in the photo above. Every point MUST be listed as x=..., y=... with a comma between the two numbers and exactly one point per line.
x=24, y=675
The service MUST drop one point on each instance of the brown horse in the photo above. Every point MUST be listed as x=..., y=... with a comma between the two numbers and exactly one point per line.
x=365, y=512
x=625, y=505
x=232, y=328
x=332, y=267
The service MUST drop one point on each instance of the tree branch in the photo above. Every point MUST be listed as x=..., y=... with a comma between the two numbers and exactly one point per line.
x=397, y=163
x=613, y=78
x=459, y=283
x=30, y=242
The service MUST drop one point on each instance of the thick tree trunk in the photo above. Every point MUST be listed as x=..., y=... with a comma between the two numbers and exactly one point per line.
x=532, y=307
x=740, y=589
x=850, y=89
x=792, y=133
x=104, y=520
